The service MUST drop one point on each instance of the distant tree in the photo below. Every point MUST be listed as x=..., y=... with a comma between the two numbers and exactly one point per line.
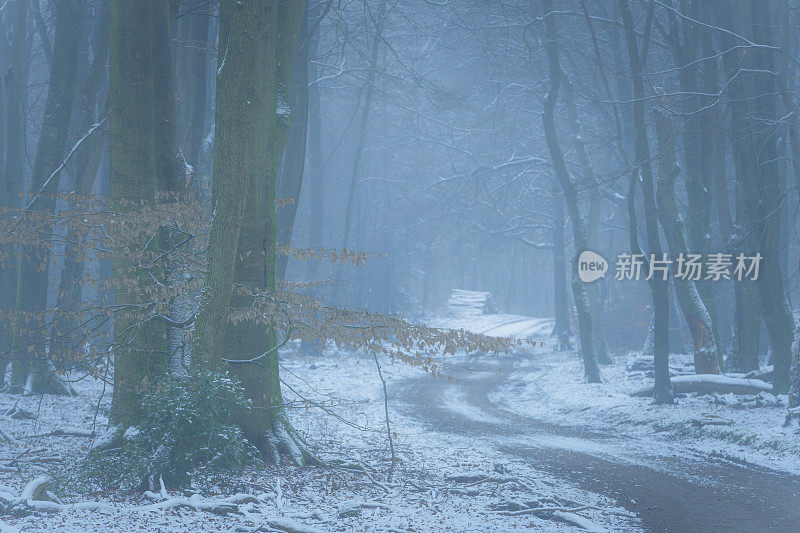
x=32, y=368
x=579, y=229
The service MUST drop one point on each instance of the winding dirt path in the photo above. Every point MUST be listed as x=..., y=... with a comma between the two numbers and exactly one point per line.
x=670, y=489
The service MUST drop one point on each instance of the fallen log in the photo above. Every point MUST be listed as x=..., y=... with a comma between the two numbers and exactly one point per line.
x=710, y=384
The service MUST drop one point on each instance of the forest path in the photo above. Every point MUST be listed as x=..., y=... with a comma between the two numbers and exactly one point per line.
x=669, y=486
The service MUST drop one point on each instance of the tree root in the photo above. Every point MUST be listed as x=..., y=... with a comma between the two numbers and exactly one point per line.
x=285, y=441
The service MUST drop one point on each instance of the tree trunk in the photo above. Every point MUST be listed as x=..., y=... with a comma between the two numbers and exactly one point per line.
x=65, y=336
x=561, y=326
x=747, y=318
x=697, y=136
x=138, y=356
x=692, y=307
x=31, y=331
x=369, y=92
x=579, y=230
x=256, y=38
x=658, y=287
x=763, y=197
x=198, y=58
x=316, y=168
x=291, y=177
x=593, y=290
x=15, y=80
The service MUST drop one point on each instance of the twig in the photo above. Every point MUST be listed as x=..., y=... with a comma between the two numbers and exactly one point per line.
x=386, y=415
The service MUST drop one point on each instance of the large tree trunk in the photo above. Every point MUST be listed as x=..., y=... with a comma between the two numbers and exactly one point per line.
x=255, y=38
x=658, y=287
x=34, y=366
x=138, y=349
x=692, y=307
x=579, y=230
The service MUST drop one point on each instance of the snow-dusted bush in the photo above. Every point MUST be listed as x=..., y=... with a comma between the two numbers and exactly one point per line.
x=187, y=431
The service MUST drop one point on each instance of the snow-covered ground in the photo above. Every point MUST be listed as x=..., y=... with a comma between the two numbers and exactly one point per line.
x=451, y=476
x=746, y=427
x=443, y=482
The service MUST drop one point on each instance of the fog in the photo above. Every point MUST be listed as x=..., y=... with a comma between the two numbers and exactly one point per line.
x=384, y=265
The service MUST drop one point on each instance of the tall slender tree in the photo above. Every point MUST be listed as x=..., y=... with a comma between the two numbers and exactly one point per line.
x=579, y=230
x=643, y=170
x=30, y=345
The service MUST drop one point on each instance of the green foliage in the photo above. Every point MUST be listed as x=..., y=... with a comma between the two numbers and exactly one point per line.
x=187, y=432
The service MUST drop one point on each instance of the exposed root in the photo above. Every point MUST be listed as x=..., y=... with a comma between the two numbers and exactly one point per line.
x=44, y=379
x=793, y=413
x=285, y=441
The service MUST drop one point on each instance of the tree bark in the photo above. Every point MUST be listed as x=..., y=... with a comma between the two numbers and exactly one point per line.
x=65, y=337
x=291, y=176
x=579, y=231
x=31, y=341
x=14, y=81
x=593, y=290
x=747, y=318
x=763, y=199
x=316, y=168
x=561, y=325
x=256, y=37
x=691, y=305
x=139, y=359
x=659, y=288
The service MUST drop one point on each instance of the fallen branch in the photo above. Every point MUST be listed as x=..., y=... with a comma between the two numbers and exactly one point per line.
x=67, y=432
x=534, y=510
x=709, y=419
x=712, y=383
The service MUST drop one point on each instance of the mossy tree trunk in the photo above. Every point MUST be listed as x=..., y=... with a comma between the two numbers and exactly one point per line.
x=257, y=40
x=139, y=356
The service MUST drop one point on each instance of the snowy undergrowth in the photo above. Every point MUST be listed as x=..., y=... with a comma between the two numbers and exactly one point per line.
x=747, y=427
x=442, y=481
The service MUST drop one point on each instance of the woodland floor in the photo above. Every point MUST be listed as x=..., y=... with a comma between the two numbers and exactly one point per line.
x=508, y=442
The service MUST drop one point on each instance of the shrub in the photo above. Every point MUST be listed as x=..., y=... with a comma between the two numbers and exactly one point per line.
x=187, y=431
